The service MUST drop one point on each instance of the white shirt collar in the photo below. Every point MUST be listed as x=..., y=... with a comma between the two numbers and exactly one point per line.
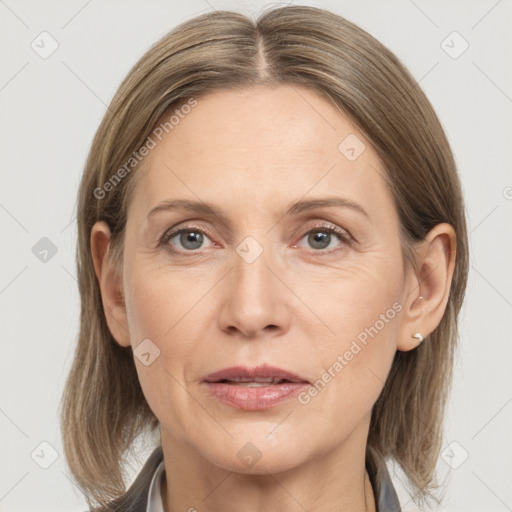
x=155, y=497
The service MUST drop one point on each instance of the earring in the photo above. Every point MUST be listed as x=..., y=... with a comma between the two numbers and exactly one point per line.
x=418, y=336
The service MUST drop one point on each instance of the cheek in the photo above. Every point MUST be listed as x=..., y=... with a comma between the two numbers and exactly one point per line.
x=159, y=301
x=350, y=298
x=168, y=307
x=360, y=306
x=159, y=308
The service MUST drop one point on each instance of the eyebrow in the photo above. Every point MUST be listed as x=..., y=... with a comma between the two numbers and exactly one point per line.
x=298, y=207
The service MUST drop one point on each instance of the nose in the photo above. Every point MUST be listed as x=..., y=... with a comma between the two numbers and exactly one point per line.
x=255, y=301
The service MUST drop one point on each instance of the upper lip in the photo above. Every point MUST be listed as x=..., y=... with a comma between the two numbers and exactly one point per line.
x=246, y=374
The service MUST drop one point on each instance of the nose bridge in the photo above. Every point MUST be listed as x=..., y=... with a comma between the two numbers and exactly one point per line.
x=251, y=272
x=254, y=297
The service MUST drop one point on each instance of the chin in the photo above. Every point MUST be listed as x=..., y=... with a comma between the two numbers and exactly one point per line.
x=275, y=463
x=254, y=455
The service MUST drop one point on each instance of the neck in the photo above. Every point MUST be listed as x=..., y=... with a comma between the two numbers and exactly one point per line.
x=336, y=480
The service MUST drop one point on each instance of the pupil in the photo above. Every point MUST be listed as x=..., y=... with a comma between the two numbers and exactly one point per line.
x=320, y=240
x=191, y=240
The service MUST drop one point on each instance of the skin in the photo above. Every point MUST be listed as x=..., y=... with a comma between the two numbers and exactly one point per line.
x=252, y=154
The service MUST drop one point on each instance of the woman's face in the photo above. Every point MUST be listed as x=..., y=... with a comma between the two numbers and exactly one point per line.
x=258, y=279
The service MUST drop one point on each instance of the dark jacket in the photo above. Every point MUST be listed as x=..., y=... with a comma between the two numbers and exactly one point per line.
x=136, y=497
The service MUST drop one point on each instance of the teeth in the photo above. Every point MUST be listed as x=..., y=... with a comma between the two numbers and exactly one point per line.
x=253, y=384
x=267, y=380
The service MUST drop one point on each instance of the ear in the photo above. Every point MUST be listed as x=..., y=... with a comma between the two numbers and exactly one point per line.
x=110, y=284
x=428, y=285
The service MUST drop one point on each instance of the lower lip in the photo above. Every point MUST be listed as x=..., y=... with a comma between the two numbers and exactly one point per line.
x=256, y=398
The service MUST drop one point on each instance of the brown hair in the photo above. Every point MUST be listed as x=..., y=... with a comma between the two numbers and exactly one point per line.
x=103, y=408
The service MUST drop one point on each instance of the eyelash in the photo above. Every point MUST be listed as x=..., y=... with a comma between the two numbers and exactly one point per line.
x=344, y=237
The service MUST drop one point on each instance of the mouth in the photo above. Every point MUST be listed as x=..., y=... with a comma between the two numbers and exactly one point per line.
x=253, y=383
x=261, y=376
x=254, y=388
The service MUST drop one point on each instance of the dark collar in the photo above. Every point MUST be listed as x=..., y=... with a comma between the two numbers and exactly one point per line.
x=136, y=497
x=386, y=499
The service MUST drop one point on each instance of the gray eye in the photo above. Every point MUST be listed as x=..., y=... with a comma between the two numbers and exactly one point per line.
x=191, y=240
x=319, y=239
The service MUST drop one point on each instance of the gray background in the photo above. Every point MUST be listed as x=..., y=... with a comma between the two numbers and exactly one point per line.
x=50, y=110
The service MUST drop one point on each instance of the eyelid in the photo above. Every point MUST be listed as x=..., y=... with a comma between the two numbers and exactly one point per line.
x=176, y=230
x=330, y=226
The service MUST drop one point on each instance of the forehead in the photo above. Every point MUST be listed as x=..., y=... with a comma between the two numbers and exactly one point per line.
x=256, y=144
x=232, y=123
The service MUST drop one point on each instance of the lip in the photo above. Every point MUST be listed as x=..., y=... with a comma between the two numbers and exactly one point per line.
x=254, y=398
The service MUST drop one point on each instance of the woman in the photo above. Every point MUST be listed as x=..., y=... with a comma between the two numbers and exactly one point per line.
x=272, y=256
